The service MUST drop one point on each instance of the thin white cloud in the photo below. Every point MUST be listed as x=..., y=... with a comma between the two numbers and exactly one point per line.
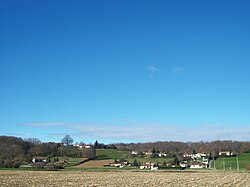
x=178, y=70
x=142, y=132
x=43, y=124
x=19, y=134
x=152, y=70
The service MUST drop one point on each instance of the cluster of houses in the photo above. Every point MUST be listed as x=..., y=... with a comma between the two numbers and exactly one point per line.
x=195, y=161
x=46, y=160
x=119, y=164
x=160, y=154
x=198, y=160
x=82, y=146
x=147, y=165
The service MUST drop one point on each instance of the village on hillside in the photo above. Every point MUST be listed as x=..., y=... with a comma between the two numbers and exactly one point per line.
x=32, y=153
x=192, y=161
x=151, y=160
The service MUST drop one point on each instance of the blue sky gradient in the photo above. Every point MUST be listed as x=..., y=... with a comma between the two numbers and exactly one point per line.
x=125, y=70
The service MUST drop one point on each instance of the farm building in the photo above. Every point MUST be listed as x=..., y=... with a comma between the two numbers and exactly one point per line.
x=226, y=153
x=39, y=160
x=198, y=165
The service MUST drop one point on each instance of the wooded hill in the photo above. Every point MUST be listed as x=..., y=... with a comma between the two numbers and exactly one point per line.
x=213, y=147
x=15, y=151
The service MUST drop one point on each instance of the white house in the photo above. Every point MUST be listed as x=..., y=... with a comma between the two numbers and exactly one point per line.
x=183, y=165
x=147, y=166
x=197, y=155
x=115, y=164
x=87, y=146
x=198, y=165
x=162, y=154
x=226, y=153
x=78, y=146
x=154, y=168
x=147, y=153
x=134, y=152
x=81, y=146
x=38, y=160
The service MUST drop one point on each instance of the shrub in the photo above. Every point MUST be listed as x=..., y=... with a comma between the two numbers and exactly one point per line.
x=16, y=164
x=8, y=164
x=51, y=167
x=38, y=166
x=1, y=163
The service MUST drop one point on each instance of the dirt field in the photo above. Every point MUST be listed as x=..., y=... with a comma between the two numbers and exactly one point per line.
x=124, y=178
x=94, y=164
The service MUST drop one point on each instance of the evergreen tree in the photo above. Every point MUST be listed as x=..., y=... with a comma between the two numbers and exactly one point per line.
x=164, y=163
x=96, y=145
x=135, y=163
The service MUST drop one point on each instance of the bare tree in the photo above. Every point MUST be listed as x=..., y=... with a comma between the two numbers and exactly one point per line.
x=67, y=140
x=34, y=141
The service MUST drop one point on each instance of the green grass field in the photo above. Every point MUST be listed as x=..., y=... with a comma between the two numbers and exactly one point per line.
x=148, y=159
x=103, y=154
x=230, y=163
x=71, y=161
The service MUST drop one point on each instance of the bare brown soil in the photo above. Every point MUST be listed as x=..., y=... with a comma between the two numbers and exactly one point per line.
x=94, y=164
x=124, y=178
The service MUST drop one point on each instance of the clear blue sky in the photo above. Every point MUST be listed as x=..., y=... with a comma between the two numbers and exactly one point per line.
x=125, y=71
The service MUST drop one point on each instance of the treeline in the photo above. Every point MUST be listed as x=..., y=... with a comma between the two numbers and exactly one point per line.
x=16, y=151
x=213, y=147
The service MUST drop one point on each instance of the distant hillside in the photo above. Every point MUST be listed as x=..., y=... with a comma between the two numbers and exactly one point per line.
x=212, y=147
x=16, y=151
x=103, y=154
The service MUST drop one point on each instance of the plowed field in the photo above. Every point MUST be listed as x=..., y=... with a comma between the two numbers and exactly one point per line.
x=123, y=178
x=94, y=164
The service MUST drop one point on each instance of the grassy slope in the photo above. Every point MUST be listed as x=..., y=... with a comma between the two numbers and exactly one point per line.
x=71, y=161
x=244, y=160
x=148, y=159
x=103, y=154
